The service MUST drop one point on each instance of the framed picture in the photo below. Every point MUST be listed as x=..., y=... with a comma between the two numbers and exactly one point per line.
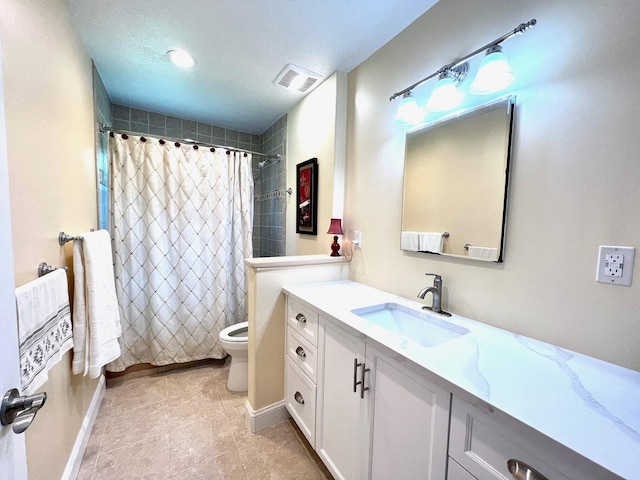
x=307, y=197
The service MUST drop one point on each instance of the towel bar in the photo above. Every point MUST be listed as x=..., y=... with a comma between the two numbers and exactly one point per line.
x=44, y=268
x=64, y=238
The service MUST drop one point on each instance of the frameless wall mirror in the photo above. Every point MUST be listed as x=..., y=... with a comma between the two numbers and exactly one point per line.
x=456, y=183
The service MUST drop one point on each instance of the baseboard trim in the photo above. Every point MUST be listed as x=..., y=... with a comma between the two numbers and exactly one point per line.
x=75, y=459
x=258, y=420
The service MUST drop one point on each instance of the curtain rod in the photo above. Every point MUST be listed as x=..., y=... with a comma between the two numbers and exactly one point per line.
x=103, y=128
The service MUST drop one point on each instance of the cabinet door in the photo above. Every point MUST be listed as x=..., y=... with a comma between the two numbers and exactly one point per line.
x=409, y=420
x=341, y=412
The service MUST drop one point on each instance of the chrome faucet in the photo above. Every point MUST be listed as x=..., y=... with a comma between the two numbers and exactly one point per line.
x=436, y=292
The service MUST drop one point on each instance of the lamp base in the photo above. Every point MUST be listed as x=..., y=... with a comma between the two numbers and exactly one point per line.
x=335, y=247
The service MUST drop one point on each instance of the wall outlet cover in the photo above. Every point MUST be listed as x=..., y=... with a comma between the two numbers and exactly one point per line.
x=615, y=265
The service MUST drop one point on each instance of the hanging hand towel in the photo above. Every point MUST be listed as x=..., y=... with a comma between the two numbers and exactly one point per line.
x=485, y=253
x=44, y=326
x=96, y=318
x=430, y=241
x=409, y=241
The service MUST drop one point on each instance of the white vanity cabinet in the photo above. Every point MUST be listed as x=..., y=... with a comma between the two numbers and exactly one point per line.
x=342, y=416
x=377, y=416
x=490, y=445
x=300, y=366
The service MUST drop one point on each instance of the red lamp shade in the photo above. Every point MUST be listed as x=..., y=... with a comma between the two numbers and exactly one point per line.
x=336, y=226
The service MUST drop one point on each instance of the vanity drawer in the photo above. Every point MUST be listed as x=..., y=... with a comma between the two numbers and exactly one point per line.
x=303, y=320
x=300, y=399
x=456, y=472
x=303, y=353
x=484, y=440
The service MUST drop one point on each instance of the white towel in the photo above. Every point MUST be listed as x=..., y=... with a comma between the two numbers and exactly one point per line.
x=96, y=318
x=44, y=326
x=409, y=241
x=485, y=253
x=430, y=241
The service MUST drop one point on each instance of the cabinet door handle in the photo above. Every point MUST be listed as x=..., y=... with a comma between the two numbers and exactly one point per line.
x=355, y=375
x=521, y=471
x=301, y=318
x=361, y=382
x=299, y=398
x=300, y=352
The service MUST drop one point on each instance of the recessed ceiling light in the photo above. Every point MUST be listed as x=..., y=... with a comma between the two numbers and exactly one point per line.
x=181, y=58
x=297, y=78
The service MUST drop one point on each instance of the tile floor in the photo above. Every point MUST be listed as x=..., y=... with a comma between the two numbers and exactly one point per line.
x=184, y=424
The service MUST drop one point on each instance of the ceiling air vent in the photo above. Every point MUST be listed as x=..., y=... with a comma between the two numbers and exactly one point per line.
x=297, y=78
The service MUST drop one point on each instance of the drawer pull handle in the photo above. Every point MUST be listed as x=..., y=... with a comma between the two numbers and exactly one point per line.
x=301, y=318
x=298, y=397
x=521, y=471
x=300, y=352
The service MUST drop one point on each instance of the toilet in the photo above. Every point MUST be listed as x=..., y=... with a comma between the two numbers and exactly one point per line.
x=235, y=340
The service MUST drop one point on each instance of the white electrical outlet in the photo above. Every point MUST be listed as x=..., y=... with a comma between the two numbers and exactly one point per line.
x=615, y=265
x=357, y=239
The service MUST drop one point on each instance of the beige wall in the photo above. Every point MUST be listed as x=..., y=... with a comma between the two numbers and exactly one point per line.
x=267, y=317
x=50, y=143
x=315, y=128
x=575, y=177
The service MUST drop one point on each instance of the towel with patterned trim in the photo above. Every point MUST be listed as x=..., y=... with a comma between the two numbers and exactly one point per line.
x=44, y=327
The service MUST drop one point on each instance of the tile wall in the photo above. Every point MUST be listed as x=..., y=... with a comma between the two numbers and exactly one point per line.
x=269, y=196
x=134, y=119
x=103, y=115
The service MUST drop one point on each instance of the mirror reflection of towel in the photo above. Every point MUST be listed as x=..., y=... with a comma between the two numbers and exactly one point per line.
x=409, y=241
x=485, y=253
x=430, y=241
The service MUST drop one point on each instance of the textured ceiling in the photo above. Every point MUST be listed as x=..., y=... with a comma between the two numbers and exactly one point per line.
x=241, y=46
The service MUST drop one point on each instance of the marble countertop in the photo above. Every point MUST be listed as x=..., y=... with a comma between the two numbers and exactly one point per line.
x=588, y=405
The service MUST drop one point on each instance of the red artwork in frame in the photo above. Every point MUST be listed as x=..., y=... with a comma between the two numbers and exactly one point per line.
x=307, y=197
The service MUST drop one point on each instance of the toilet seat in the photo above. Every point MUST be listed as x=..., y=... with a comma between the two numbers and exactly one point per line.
x=236, y=333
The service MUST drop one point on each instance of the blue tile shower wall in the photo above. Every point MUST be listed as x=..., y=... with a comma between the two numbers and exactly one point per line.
x=136, y=120
x=103, y=115
x=269, y=202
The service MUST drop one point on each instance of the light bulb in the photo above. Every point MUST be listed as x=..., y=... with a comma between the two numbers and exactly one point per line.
x=494, y=73
x=409, y=113
x=445, y=95
x=181, y=58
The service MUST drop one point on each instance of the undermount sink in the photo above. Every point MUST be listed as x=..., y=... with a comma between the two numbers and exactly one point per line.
x=416, y=326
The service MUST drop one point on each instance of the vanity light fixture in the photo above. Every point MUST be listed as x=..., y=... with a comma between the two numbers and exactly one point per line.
x=409, y=113
x=181, y=58
x=494, y=74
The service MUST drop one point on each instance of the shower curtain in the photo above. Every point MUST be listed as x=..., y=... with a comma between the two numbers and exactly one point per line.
x=181, y=219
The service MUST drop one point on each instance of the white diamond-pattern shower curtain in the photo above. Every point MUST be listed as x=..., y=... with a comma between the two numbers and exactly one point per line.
x=182, y=220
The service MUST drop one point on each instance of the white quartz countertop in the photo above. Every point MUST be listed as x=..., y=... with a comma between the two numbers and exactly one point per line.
x=588, y=405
